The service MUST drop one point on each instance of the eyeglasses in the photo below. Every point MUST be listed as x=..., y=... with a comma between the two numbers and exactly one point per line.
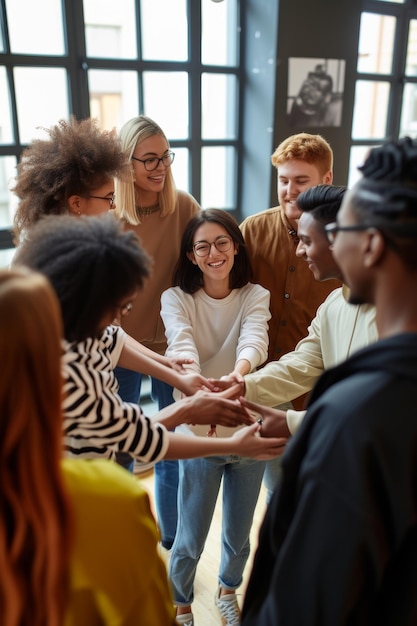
x=333, y=228
x=125, y=309
x=152, y=163
x=111, y=199
x=203, y=248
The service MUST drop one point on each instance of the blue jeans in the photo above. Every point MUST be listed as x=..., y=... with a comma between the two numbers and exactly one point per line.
x=166, y=472
x=199, y=486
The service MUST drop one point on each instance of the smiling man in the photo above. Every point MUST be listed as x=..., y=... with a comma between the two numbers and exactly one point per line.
x=302, y=161
x=339, y=541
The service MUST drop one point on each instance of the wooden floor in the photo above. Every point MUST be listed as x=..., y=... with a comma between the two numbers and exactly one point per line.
x=205, y=613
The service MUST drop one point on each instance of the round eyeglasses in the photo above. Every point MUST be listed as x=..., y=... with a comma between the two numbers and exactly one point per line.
x=111, y=199
x=222, y=244
x=152, y=163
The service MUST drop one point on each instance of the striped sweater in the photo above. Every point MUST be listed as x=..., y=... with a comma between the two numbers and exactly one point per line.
x=97, y=423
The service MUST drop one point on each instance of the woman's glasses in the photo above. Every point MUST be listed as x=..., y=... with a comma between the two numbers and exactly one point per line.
x=152, y=163
x=222, y=244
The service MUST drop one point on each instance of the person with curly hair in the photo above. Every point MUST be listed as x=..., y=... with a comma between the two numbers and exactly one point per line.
x=57, y=515
x=339, y=541
x=71, y=172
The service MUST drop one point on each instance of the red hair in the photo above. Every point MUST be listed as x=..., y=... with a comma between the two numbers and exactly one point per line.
x=35, y=519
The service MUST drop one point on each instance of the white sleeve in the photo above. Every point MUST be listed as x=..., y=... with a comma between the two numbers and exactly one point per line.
x=178, y=322
x=253, y=339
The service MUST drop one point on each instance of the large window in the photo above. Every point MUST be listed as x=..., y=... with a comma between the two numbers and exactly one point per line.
x=386, y=85
x=177, y=61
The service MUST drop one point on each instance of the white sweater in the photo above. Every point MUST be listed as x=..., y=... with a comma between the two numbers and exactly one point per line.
x=217, y=333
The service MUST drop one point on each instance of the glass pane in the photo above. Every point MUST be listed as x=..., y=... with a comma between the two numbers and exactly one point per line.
x=113, y=96
x=180, y=168
x=357, y=157
x=370, y=109
x=218, y=173
x=35, y=27
x=6, y=133
x=8, y=201
x=408, y=124
x=411, y=63
x=110, y=29
x=42, y=99
x=376, y=43
x=219, y=106
x=164, y=30
x=166, y=101
x=219, y=36
x=1, y=34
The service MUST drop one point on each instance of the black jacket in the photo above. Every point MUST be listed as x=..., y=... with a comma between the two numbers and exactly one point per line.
x=339, y=541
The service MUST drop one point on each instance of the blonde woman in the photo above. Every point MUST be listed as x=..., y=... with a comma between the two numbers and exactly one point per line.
x=151, y=206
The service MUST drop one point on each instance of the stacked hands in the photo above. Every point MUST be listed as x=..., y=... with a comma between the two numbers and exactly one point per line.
x=221, y=402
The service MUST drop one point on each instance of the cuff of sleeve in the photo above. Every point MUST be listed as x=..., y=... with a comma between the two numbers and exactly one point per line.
x=294, y=419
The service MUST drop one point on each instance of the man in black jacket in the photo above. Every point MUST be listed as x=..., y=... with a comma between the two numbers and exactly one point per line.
x=338, y=545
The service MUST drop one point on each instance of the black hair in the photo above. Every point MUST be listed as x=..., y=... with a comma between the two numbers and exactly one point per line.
x=92, y=264
x=322, y=202
x=386, y=196
x=189, y=276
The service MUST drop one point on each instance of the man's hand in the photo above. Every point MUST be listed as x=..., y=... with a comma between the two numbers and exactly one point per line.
x=274, y=421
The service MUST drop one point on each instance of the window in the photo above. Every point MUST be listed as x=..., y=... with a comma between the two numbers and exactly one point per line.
x=386, y=86
x=177, y=61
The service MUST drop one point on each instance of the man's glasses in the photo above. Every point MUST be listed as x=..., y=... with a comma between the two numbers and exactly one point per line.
x=152, y=163
x=111, y=199
x=203, y=248
x=333, y=228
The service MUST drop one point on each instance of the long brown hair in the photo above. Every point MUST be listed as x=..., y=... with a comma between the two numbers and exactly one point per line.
x=35, y=518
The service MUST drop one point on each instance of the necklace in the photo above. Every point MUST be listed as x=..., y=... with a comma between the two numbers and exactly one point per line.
x=147, y=210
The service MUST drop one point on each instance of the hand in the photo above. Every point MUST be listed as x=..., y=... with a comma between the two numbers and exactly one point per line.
x=274, y=421
x=191, y=383
x=177, y=363
x=225, y=383
x=213, y=408
x=250, y=444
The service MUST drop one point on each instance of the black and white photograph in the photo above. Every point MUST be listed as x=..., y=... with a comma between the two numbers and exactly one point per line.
x=315, y=92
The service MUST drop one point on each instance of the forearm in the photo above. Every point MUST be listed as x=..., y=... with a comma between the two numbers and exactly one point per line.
x=147, y=362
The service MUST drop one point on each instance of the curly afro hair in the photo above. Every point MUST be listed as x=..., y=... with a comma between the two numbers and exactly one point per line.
x=77, y=158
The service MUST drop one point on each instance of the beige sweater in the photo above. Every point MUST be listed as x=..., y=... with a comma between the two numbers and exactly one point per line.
x=161, y=238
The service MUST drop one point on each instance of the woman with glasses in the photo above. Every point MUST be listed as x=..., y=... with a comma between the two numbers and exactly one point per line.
x=150, y=205
x=72, y=172
x=215, y=316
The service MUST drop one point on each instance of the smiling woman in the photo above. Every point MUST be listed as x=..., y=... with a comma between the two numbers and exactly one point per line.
x=71, y=172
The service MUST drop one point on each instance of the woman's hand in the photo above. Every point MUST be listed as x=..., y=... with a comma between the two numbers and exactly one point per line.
x=213, y=408
x=177, y=363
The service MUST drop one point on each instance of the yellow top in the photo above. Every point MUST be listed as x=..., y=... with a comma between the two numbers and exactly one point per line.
x=117, y=577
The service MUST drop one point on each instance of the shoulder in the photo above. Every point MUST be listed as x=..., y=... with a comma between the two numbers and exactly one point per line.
x=99, y=480
x=254, y=290
x=175, y=294
x=263, y=217
x=187, y=203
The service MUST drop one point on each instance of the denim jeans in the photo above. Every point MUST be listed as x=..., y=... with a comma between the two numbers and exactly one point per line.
x=199, y=484
x=166, y=472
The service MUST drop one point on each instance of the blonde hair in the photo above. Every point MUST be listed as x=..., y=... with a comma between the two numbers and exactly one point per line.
x=313, y=149
x=35, y=521
x=133, y=133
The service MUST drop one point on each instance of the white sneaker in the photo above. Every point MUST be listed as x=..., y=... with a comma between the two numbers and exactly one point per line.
x=228, y=608
x=186, y=619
